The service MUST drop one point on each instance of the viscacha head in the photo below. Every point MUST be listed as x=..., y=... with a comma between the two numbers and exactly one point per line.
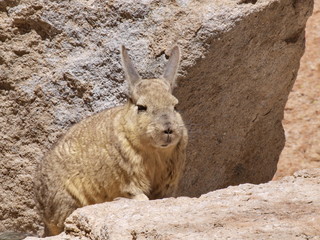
x=152, y=112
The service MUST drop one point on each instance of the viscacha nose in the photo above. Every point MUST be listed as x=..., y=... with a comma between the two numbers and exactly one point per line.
x=168, y=131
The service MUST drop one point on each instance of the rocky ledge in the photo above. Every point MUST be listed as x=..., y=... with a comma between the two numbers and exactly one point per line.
x=285, y=209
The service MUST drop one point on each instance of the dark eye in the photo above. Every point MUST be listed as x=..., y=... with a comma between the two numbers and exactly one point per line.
x=141, y=108
x=176, y=109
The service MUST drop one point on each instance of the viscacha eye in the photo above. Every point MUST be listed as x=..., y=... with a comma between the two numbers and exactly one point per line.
x=176, y=109
x=141, y=108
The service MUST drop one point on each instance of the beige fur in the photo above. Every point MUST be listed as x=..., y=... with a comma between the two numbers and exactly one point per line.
x=132, y=151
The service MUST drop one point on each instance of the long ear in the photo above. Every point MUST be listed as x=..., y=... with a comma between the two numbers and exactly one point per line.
x=171, y=68
x=130, y=71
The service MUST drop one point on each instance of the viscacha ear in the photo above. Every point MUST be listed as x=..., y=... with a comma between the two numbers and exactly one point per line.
x=171, y=68
x=130, y=71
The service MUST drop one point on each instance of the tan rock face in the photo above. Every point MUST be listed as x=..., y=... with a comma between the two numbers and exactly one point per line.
x=286, y=209
x=59, y=62
x=302, y=115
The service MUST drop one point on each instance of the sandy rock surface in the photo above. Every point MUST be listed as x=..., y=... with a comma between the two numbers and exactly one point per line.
x=302, y=112
x=59, y=62
x=286, y=209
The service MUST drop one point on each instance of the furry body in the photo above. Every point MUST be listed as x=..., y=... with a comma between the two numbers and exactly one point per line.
x=133, y=151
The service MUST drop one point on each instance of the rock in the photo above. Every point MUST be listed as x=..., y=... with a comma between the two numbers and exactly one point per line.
x=301, y=118
x=59, y=62
x=12, y=236
x=286, y=209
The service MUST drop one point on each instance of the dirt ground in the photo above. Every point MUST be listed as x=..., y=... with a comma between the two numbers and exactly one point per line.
x=302, y=113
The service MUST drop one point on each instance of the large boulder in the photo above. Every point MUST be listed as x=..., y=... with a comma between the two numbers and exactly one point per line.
x=286, y=209
x=59, y=62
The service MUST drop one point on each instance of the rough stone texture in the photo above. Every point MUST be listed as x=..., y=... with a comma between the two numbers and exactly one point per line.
x=59, y=62
x=302, y=116
x=286, y=209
